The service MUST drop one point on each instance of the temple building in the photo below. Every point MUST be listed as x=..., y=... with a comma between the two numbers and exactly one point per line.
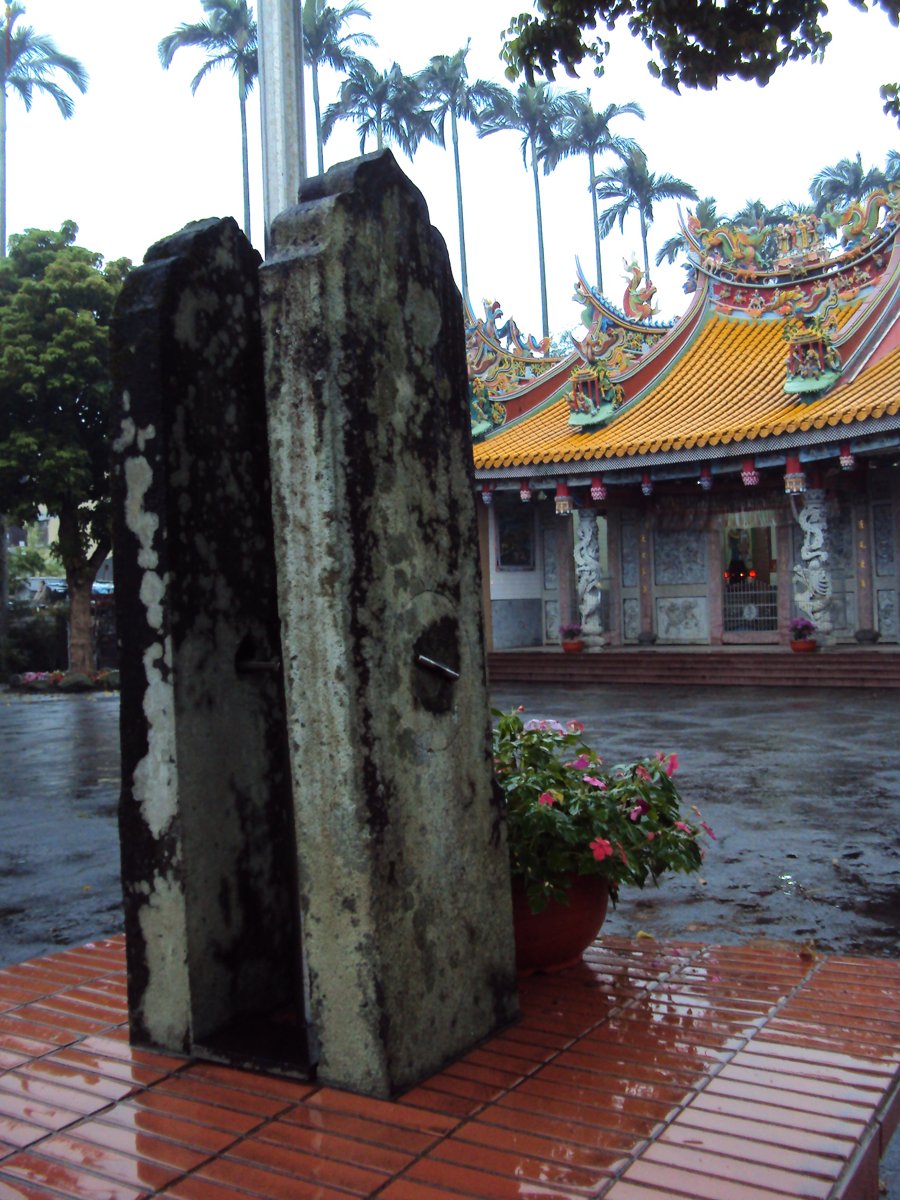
x=703, y=482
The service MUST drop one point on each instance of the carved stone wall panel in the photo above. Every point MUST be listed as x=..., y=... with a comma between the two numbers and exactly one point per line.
x=883, y=539
x=680, y=557
x=631, y=618
x=682, y=619
x=630, y=552
x=551, y=621
x=888, y=625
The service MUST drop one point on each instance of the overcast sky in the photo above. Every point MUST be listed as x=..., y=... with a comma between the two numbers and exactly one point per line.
x=142, y=157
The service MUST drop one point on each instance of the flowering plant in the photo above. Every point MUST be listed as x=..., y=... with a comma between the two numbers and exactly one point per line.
x=568, y=815
x=801, y=627
x=570, y=632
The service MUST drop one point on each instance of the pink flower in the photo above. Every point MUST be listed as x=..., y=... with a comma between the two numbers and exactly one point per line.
x=703, y=825
x=575, y=726
x=642, y=772
x=594, y=782
x=650, y=835
x=581, y=763
x=521, y=708
x=672, y=764
x=546, y=798
x=638, y=811
x=601, y=848
x=684, y=828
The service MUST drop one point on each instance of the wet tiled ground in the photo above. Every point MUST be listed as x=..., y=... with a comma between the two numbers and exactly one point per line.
x=649, y=1072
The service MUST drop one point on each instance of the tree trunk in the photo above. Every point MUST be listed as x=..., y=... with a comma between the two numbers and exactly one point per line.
x=81, y=570
x=596, y=223
x=463, y=272
x=245, y=166
x=2, y=172
x=4, y=593
x=646, y=251
x=317, y=109
x=545, y=319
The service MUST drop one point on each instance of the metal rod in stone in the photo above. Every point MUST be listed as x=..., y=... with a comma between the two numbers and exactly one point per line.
x=439, y=668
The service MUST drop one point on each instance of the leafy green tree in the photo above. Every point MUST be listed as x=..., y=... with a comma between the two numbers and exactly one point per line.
x=28, y=62
x=694, y=42
x=56, y=301
x=847, y=182
x=536, y=112
x=229, y=37
x=325, y=45
x=584, y=131
x=445, y=85
x=633, y=187
x=386, y=105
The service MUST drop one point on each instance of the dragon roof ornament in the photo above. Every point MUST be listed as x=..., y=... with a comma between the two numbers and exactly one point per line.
x=750, y=265
x=500, y=356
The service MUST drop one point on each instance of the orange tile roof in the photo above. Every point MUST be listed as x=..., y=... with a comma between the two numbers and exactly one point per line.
x=727, y=386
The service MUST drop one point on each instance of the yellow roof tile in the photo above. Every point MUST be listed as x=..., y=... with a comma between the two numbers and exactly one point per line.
x=727, y=386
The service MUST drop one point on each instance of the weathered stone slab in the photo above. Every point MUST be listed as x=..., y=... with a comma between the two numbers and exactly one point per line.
x=206, y=822
x=404, y=876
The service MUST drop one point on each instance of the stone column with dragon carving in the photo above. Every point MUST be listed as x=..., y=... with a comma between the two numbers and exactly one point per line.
x=589, y=576
x=812, y=575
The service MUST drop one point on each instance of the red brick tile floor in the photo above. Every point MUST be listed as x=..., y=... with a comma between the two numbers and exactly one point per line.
x=651, y=1071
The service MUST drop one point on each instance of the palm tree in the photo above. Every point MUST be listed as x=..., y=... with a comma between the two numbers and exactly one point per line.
x=324, y=44
x=584, y=131
x=708, y=218
x=29, y=60
x=228, y=36
x=845, y=183
x=386, y=105
x=757, y=212
x=536, y=112
x=445, y=84
x=632, y=185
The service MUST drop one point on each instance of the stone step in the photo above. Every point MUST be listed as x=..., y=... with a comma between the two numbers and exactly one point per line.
x=725, y=668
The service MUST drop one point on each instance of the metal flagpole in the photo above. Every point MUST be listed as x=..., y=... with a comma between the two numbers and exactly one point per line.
x=281, y=105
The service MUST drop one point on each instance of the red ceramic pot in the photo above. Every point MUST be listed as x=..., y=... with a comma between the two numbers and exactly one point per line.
x=804, y=645
x=574, y=647
x=557, y=936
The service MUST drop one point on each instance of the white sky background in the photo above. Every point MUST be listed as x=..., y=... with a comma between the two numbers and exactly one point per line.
x=142, y=157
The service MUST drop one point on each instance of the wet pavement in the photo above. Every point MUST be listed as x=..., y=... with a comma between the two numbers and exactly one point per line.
x=801, y=788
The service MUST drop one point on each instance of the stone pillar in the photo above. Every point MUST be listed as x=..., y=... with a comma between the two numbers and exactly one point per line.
x=645, y=574
x=208, y=862
x=589, y=576
x=813, y=574
x=404, y=873
x=862, y=554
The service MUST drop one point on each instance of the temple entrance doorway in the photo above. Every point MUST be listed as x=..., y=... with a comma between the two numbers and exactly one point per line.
x=750, y=583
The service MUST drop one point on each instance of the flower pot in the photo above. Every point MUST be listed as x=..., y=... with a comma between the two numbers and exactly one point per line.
x=573, y=647
x=557, y=936
x=804, y=645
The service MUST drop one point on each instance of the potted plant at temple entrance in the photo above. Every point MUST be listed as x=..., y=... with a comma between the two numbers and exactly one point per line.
x=578, y=832
x=570, y=637
x=802, y=630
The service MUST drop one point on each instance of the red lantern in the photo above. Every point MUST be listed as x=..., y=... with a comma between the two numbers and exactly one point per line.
x=598, y=488
x=647, y=484
x=525, y=491
x=706, y=479
x=563, y=500
x=487, y=493
x=848, y=462
x=749, y=473
x=794, y=475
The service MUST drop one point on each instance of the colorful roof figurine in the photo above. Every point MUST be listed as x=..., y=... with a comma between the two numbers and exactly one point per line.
x=792, y=334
